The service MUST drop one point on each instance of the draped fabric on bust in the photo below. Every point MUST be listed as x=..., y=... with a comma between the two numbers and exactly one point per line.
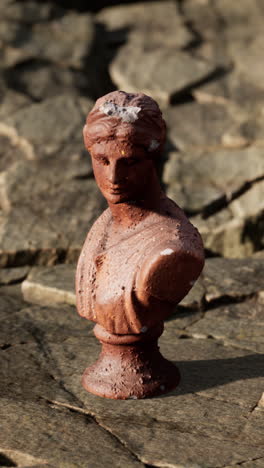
x=106, y=278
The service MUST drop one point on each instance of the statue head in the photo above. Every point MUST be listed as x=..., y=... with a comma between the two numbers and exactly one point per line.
x=124, y=133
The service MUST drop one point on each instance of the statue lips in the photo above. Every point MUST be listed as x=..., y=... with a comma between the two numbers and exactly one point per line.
x=118, y=189
x=119, y=192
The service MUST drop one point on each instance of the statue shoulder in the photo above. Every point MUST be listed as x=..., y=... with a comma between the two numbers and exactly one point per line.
x=171, y=267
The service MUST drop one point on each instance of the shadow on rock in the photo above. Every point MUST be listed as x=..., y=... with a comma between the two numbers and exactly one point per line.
x=201, y=375
x=103, y=50
x=83, y=5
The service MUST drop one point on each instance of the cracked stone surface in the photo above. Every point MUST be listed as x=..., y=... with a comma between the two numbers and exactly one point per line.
x=254, y=463
x=216, y=119
x=35, y=161
x=41, y=80
x=236, y=324
x=146, y=23
x=52, y=229
x=162, y=74
x=214, y=418
x=237, y=230
x=202, y=60
x=207, y=419
x=232, y=89
x=68, y=450
x=11, y=101
x=27, y=13
x=47, y=126
x=221, y=279
x=50, y=285
x=207, y=177
x=197, y=125
x=13, y=275
x=233, y=278
x=63, y=37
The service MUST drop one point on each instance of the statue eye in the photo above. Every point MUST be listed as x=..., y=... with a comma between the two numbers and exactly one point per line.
x=102, y=160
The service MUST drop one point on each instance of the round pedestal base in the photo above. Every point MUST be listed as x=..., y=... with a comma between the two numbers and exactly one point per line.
x=130, y=366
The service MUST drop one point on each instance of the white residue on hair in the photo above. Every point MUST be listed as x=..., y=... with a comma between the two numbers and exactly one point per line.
x=127, y=114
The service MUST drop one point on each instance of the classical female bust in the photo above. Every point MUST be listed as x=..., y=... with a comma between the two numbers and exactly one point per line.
x=141, y=256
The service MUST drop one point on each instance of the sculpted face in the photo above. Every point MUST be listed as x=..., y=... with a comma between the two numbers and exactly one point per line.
x=122, y=172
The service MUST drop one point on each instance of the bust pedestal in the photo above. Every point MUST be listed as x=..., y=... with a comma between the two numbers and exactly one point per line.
x=130, y=366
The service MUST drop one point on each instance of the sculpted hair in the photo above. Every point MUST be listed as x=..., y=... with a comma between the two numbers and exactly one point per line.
x=134, y=118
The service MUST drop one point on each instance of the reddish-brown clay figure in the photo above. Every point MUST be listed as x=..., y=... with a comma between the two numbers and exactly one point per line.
x=141, y=256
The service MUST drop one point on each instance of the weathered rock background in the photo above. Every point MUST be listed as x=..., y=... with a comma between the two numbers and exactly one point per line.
x=203, y=61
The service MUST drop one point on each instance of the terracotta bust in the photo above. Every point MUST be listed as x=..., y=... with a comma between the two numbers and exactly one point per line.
x=141, y=256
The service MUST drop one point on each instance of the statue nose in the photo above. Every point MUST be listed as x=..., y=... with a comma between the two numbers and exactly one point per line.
x=114, y=173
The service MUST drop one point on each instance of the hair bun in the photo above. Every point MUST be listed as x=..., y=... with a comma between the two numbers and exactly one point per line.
x=133, y=117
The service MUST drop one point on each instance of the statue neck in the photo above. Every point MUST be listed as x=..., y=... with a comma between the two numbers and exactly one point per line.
x=129, y=214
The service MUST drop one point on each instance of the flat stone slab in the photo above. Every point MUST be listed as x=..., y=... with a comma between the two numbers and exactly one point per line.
x=232, y=278
x=247, y=59
x=52, y=438
x=208, y=176
x=214, y=418
x=146, y=22
x=239, y=19
x=223, y=186
x=224, y=278
x=220, y=280
x=235, y=324
x=232, y=88
x=47, y=181
x=13, y=149
x=11, y=101
x=15, y=11
x=237, y=230
x=41, y=80
x=47, y=126
x=60, y=36
x=13, y=275
x=211, y=405
x=161, y=73
x=50, y=285
x=66, y=214
x=28, y=390
x=199, y=126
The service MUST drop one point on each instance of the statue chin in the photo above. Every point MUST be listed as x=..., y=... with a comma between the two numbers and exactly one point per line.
x=116, y=199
